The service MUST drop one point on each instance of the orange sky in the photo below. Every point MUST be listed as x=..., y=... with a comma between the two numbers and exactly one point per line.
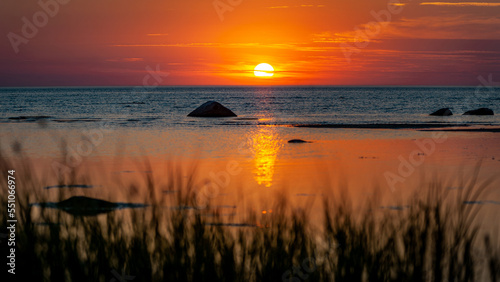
x=364, y=42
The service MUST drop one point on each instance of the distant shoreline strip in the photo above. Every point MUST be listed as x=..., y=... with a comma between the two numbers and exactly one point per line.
x=419, y=126
x=383, y=126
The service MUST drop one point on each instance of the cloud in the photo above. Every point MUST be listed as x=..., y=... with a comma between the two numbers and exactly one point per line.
x=170, y=45
x=444, y=27
x=461, y=4
x=279, y=7
x=345, y=37
x=126, y=60
x=296, y=6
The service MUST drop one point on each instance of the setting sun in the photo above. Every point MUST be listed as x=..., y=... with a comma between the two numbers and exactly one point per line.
x=264, y=70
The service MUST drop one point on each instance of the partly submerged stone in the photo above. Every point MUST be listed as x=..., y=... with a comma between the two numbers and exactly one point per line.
x=442, y=112
x=298, y=141
x=212, y=109
x=85, y=206
x=480, y=112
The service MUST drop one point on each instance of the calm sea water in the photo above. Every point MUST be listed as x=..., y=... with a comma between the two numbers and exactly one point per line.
x=154, y=121
x=168, y=106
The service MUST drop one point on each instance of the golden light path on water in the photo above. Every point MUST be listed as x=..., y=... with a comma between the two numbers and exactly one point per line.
x=266, y=144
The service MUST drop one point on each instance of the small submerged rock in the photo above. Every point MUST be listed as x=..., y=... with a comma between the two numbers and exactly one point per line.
x=442, y=112
x=85, y=206
x=212, y=109
x=298, y=141
x=480, y=112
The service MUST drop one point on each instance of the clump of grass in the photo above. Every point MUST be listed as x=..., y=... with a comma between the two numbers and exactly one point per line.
x=434, y=239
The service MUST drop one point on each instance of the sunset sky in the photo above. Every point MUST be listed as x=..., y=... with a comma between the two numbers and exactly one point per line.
x=315, y=42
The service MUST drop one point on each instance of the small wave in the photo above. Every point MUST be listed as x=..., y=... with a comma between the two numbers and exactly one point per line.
x=481, y=202
x=381, y=125
x=132, y=103
x=247, y=118
x=480, y=129
x=28, y=118
x=77, y=120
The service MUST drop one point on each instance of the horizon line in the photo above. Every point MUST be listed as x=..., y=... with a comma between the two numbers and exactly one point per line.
x=238, y=85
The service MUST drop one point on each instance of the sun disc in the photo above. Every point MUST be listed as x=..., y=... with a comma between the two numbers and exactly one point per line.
x=264, y=70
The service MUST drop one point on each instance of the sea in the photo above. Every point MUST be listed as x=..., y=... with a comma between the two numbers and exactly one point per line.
x=119, y=138
x=155, y=120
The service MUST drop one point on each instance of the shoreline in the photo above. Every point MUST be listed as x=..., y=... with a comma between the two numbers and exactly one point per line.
x=419, y=126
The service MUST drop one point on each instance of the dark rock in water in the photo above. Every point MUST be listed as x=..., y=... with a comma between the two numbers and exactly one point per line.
x=85, y=206
x=480, y=112
x=442, y=112
x=298, y=141
x=81, y=205
x=212, y=109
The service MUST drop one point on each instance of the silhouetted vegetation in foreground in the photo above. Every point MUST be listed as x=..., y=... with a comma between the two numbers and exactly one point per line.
x=434, y=238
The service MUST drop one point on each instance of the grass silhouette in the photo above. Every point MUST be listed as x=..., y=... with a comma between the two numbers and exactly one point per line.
x=435, y=238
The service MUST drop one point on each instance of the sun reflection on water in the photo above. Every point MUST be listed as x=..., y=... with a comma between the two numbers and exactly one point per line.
x=266, y=145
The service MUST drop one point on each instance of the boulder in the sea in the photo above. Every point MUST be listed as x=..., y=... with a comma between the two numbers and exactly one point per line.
x=85, y=206
x=212, y=109
x=442, y=112
x=81, y=205
x=480, y=112
x=298, y=141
